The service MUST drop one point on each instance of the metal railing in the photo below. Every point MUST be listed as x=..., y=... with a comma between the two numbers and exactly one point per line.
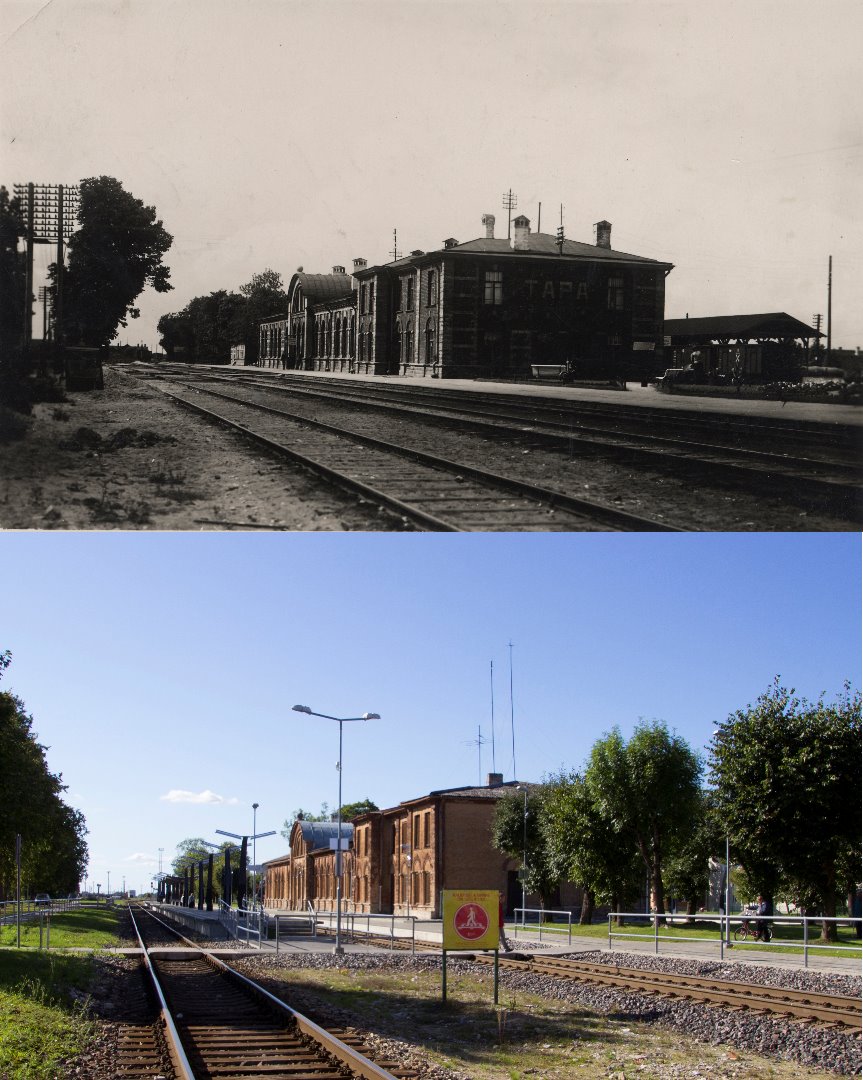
x=247, y=921
x=352, y=923
x=542, y=914
x=726, y=926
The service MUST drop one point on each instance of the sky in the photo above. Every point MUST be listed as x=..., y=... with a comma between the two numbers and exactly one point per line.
x=726, y=138
x=161, y=669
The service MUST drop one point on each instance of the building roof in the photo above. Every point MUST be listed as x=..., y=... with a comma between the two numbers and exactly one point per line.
x=546, y=244
x=318, y=287
x=775, y=324
x=317, y=834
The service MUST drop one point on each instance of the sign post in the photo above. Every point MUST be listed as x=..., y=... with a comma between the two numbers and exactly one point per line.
x=470, y=921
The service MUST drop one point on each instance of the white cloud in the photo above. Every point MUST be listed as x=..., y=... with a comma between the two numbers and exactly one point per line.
x=141, y=857
x=180, y=796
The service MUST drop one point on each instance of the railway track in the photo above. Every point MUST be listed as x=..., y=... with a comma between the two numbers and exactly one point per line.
x=818, y=466
x=423, y=489
x=218, y=1023
x=805, y=1006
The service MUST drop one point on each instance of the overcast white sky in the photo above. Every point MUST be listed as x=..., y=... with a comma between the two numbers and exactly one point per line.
x=725, y=137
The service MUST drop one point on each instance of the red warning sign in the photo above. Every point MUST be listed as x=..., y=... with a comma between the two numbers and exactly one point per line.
x=470, y=922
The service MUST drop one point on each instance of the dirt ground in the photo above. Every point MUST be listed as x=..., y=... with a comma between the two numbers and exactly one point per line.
x=127, y=458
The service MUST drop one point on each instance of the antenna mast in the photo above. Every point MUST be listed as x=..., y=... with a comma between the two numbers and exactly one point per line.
x=396, y=254
x=491, y=681
x=512, y=713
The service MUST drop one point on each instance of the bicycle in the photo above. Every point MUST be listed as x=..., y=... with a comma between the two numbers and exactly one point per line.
x=758, y=932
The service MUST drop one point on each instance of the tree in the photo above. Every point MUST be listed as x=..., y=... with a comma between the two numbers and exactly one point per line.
x=265, y=296
x=53, y=849
x=686, y=873
x=788, y=791
x=13, y=304
x=516, y=831
x=116, y=251
x=357, y=809
x=648, y=791
x=584, y=846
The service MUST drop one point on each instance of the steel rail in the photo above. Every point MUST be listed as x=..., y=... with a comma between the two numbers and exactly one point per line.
x=175, y=1047
x=547, y=497
x=354, y=1060
x=717, y=458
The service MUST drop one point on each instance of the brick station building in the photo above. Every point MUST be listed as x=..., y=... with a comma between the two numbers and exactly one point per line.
x=399, y=859
x=489, y=307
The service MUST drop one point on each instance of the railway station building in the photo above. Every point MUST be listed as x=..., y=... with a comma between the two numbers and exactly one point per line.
x=490, y=307
x=399, y=859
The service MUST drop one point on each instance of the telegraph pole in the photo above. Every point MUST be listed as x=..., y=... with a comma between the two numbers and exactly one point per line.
x=50, y=211
x=510, y=202
x=829, y=308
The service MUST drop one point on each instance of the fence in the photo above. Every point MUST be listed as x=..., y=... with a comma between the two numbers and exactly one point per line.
x=250, y=922
x=542, y=914
x=724, y=925
x=352, y=924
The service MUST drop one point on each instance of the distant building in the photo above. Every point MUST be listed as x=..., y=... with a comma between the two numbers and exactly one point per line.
x=485, y=308
x=399, y=859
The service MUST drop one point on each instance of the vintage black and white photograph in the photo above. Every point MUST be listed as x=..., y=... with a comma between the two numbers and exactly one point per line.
x=550, y=266
x=344, y=731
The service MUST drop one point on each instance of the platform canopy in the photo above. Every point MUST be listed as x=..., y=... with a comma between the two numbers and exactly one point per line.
x=776, y=325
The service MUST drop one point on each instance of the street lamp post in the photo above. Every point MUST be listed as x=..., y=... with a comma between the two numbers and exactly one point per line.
x=339, y=720
x=254, y=848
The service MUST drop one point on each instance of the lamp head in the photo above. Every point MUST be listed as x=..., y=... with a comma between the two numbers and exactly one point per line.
x=371, y=716
x=303, y=708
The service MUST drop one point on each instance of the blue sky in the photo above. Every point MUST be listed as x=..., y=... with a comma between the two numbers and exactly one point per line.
x=159, y=664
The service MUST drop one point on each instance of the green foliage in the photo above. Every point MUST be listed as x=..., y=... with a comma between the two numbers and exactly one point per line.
x=648, y=791
x=53, y=848
x=788, y=790
x=584, y=846
x=517, y=832
x=116, y=251
x=357, y=809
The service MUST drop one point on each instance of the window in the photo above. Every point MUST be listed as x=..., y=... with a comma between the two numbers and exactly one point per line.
x=416, y=830
x=432, y=288
x=410, y=293
x=494, y=287
x=427, y=828
x=430, y=342
x=615, y=294
x=409, y=346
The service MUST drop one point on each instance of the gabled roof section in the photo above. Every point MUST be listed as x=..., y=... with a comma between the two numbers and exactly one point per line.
x=546, y=244
x=775, y=324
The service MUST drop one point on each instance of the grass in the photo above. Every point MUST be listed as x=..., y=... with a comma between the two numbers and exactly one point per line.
x=700, y=931
x=83, y=928
x=524, y=1036
x=41, y=1024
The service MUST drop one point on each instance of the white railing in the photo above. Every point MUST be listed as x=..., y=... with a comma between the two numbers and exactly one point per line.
x=726, y=926
x=352, y=923
x=541, y=915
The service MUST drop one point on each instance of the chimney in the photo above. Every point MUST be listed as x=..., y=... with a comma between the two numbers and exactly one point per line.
x=360, y=264
x=603, y=234
x=520, y=233
x=450, y=242
x=488, y=221
x=338, y=269
x=495, y=779
x=418, y=251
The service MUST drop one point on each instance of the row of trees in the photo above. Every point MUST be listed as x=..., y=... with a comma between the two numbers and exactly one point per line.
x=208, y=326
x=53, y=846
x=783, y=785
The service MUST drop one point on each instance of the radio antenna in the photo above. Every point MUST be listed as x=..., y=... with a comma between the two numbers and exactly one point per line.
x=512, y=713
x=491, y=683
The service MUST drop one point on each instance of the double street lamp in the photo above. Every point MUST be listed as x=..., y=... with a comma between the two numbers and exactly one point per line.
x=339, y=720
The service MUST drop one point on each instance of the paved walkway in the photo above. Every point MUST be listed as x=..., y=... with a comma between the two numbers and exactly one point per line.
x=636, y=396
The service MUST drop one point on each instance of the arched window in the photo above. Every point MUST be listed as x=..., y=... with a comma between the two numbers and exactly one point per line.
x=320, y=337
x=409, y=351
x=351, y=340
x=432, y=288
